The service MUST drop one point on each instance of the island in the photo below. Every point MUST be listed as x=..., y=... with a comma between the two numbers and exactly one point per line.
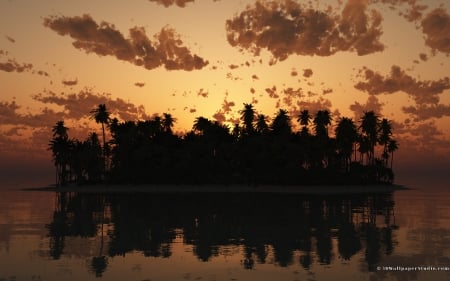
x=257, y=151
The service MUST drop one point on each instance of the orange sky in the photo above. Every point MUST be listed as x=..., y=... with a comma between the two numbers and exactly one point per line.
x=207, y=57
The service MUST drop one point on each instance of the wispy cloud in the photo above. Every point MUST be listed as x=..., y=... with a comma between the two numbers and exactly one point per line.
x=423, y=92
x=105, y=40
x=286, y=27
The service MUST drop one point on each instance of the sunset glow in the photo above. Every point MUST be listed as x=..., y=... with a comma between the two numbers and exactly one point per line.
x=193, y=58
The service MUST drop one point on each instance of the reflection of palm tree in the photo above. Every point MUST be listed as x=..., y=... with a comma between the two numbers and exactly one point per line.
x=100, y=262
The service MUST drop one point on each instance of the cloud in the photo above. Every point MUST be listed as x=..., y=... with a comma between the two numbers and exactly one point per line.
x=70, y=82
x=314, y=105
x=77, y=105
x=139, y=84
x=423, y=56
x=233, y=66
x=10, y=39
x=255, y=77
x=202, y=93
x=272, y=92
x=372, y=104
x=424, y=112
x=436, y=27
x=285, y=28
x=423, y=92
x=105, y=40
x=168, y=3
x=11, y=65
x=307, y=73
x=294, y=73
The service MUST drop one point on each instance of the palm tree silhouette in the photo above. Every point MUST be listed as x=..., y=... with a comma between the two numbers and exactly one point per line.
x=346, y=135
x=385, y=133
x=248, y=116
x=304, y=119
x=392, y=146
x=60, y=147
x=321, y=122
x=261, y=124
x=101, y=115
x=167, y=122
x=281, y=124
x=369, y=128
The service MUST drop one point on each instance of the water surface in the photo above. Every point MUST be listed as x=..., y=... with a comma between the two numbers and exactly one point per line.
x=54, y=236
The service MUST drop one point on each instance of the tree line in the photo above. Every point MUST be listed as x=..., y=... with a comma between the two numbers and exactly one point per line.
x=257, y=150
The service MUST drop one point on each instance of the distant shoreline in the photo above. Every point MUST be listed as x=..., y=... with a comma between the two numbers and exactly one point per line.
x=214, y=188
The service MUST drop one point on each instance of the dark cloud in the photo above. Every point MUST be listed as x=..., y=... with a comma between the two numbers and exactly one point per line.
x=70, y=82
x=307, y=73
x=255, y=77
x=423, y=92
x=413, y=13
x=105, y=40
x=294, y=73
x=233, y=66
x=139, y=84
x=436, y=27
x=285, y=28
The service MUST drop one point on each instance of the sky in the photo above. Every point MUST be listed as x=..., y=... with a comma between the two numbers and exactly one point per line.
x=190, y=58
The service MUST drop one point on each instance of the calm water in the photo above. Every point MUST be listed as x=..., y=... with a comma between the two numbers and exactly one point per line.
x=49, y=236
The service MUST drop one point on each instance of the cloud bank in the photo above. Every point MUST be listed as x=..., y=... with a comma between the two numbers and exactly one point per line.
x=285, y=28
x=166, y=49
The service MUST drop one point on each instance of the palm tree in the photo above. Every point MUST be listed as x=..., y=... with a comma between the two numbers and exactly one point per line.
x=392, y=146
x=385, y=133
x=168, y=122
x=201, y=124
x=321, y=122
x=281, y=124
x=101, y=115
x=346, y=136
x=261, y=124
x=304, y=119
x=369, y=128
x=248, y=116
x=60, y=147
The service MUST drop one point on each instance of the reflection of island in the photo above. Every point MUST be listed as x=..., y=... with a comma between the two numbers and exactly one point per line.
x=255, y=151
x=289, y=228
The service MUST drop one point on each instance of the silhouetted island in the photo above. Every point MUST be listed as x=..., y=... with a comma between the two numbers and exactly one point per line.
x=257, y=151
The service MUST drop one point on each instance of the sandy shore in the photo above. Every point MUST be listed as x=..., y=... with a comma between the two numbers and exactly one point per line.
x=150, y=188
